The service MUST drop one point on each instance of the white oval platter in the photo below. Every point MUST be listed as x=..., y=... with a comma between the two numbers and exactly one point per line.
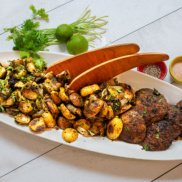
x=102, y=144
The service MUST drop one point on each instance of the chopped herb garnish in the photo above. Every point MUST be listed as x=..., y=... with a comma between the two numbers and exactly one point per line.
x=2, y=109
x=156, y=92
x=144, y=113
x=39, y=13
x=126, y=128
x=116, y=104
x=157, y=136
x=145, y=147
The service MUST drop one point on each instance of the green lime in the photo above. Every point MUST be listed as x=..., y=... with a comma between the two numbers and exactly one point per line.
x=77, y=44
x=64, y=32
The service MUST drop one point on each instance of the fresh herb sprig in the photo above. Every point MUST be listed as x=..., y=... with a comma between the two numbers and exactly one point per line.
x=29, y=38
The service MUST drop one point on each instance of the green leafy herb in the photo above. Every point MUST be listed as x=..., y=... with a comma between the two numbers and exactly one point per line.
x=144, y=113
x=145, y=147
x=126, y=128
x=28, y=38
x=157, y=136
x=116, y=104
x=41, y=12
x=40, y=64
x=2, y=109
x=156, y=92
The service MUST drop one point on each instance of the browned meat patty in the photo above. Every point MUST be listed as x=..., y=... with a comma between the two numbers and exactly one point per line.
x=151, y=105
x=175, y=116
x=134, y=128
x=179, y=104
x=160, y=135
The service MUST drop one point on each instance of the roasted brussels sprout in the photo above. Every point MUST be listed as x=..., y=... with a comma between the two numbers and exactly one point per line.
x=2, y=72
x=63, y=96
x=8, y=102
x=76, y=99
x=29, y=94
x=22, y=119
x=66, y=113
x=25, y=106
x=64, y=123
x=49, y=119
x=55, y=97
x=19, y=84
x=88, y=90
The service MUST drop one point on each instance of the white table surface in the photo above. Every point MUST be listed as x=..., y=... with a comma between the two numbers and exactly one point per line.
x=153, y=24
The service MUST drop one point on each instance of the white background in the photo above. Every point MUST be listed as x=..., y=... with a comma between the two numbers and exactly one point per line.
x=153, y=24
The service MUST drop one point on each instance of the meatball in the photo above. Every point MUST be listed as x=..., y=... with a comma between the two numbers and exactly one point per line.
x=151, y=105
x=134, y=128
x=160, y=135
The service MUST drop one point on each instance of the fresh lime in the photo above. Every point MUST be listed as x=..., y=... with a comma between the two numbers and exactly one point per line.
x=63, y=33
x=77, y=44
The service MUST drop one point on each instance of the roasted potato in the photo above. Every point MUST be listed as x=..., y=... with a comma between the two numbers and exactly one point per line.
x=55, y=97
x=74, y=110
x=82, y=123
x=104, y=111
x=52, y=107
x=88, y=90
x=76, y=99
x=37, y=124
x=114, y=128
x=110, y=112
x=49, y=119
x=92, y=106
x=66, y=113
x=82, y=126
x=22, y=119
x=97, y=128
x=69, y=135
x=63, y=96
x=64, y=123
